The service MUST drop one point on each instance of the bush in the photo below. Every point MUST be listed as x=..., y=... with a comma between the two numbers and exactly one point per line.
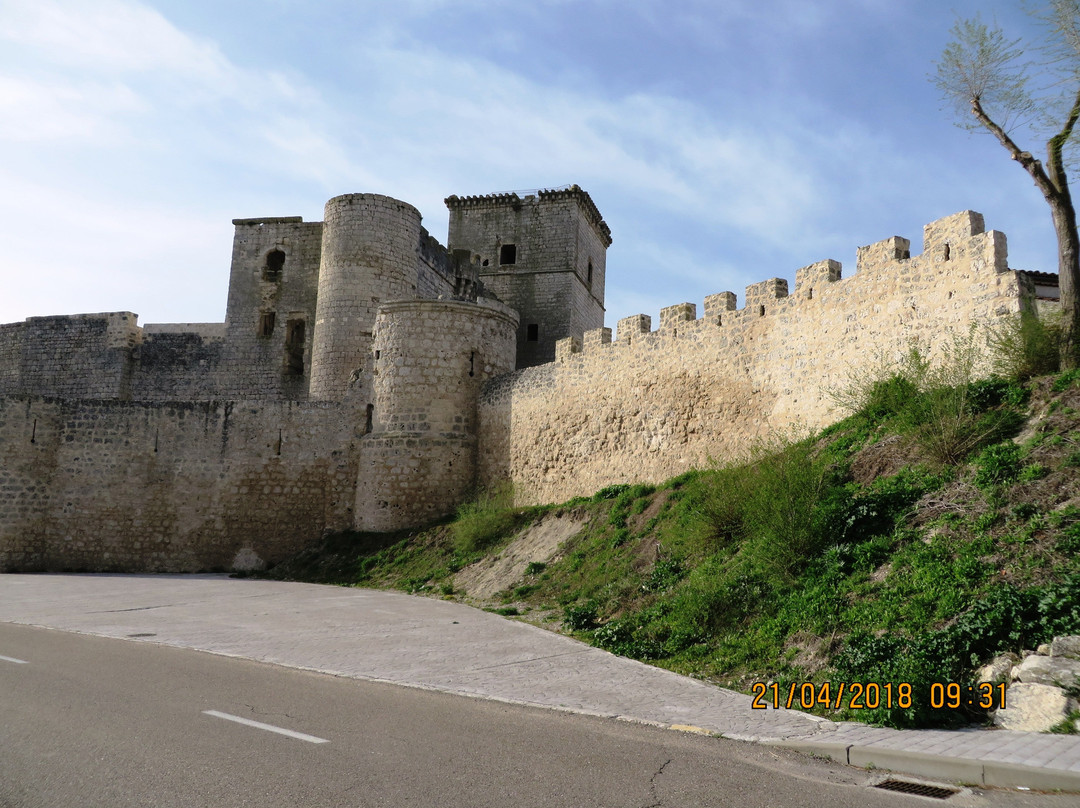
x=1025, y=346
x=580, y=617
x=946, y=407
x=1065, y=380
x=1006, y=619
x=997, y=465
x=780, y=519
x=490, y=516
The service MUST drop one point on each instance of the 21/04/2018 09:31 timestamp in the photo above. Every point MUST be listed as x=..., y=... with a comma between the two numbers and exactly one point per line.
x=875, y=695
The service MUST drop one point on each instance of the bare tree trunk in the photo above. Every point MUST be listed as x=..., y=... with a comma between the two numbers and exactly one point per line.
x=1053, y=182
x=1068, y=279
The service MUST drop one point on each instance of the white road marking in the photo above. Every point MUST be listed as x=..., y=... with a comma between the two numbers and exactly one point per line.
x=13, y=659
x=268, y=727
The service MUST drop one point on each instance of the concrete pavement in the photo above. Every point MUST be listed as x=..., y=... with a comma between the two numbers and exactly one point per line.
x=438, y=645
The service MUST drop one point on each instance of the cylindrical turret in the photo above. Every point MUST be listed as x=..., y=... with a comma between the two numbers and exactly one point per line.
x=431, y=358
x=369, y=256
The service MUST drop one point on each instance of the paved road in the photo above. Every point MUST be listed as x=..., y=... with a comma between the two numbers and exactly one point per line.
x=98, y=722
x=448, y=647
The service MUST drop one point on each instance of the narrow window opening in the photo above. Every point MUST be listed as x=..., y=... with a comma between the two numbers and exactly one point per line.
x=508, y=254
x=948, y=251
x=377, y=355
x=294, y=347
x=810, y=293
x=761, y=311
x=275, y=262
x=33, y=432
x=472, y=363
x=267, y=319
x=588, y=277
x=532, y=333
x=370, y=418
x=279, y=442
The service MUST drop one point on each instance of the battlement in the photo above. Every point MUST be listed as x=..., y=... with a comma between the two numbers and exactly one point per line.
x=957, y=243
x=515, y=199
x=367, y=377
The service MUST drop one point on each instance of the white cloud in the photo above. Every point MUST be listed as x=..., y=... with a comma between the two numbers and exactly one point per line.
x=108, y=36
x=32, y=111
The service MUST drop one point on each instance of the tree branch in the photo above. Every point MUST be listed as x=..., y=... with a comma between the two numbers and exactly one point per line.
x=1030, y=164
x=1057, y=145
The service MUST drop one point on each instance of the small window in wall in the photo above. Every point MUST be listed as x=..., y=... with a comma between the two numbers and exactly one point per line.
x=588, y=276
x=508, y=254
x=294, y=347
x=761, y=311
x=532, y=332
x=275, y=262
x=267, y=320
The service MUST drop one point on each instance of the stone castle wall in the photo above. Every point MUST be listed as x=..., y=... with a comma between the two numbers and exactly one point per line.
x=430, y=360
x=353, y=384
x=555, y=237
x=141, y=487
x=74, y=356
x=655, y=403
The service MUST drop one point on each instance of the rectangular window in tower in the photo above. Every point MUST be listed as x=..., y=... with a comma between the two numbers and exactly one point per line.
x=266, y=323
x=532, y=332
x=294, y=347
x=508, y=254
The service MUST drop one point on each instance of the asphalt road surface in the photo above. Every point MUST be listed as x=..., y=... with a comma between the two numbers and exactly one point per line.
x=95, y=722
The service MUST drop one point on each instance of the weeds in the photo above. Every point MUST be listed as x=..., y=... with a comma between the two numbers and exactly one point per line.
x=486, y=518
x=1025, y=345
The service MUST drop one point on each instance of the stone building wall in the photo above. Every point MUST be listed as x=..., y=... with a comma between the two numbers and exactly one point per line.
x=535, y=253
x=11, y=340
x=153, y=487
x=178, y=362
x=369, y=256
x=273, y=284
x=430, y=359
x=82, y=355
x=655, y=403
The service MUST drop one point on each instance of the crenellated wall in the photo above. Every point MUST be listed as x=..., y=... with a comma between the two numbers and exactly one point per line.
x=652, y=404
x=363, y=380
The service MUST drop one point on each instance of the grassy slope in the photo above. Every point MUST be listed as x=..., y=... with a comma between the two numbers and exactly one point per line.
x=855, y=555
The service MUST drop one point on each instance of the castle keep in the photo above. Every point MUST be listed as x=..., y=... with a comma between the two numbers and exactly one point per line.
x=366, y=377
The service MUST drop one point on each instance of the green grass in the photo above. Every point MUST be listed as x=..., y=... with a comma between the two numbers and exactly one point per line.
x=787, y=566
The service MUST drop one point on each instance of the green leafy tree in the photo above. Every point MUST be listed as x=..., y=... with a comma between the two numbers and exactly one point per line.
x=988, y=78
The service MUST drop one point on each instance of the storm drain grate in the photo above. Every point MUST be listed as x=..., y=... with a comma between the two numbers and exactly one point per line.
x=917, y=789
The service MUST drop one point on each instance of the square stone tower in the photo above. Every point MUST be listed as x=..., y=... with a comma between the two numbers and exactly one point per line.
x=543, y=254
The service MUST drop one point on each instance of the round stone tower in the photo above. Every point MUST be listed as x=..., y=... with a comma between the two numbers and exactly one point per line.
x=430, y=359
x=370, y=255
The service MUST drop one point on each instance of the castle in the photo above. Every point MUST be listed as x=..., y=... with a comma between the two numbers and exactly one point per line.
x=366, y=377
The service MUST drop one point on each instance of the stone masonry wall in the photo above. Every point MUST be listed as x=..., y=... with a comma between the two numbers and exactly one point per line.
x=178, y=362
x=431, y=359
x=555, y=235
x=82, y=355
x=271, y=310
x=655, y=403
x=141, y=487
x=369, y=256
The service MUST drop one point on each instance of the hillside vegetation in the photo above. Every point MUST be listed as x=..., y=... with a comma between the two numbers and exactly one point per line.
x=934, y=528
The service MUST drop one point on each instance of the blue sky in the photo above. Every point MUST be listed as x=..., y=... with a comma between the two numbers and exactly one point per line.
x=724, y=142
